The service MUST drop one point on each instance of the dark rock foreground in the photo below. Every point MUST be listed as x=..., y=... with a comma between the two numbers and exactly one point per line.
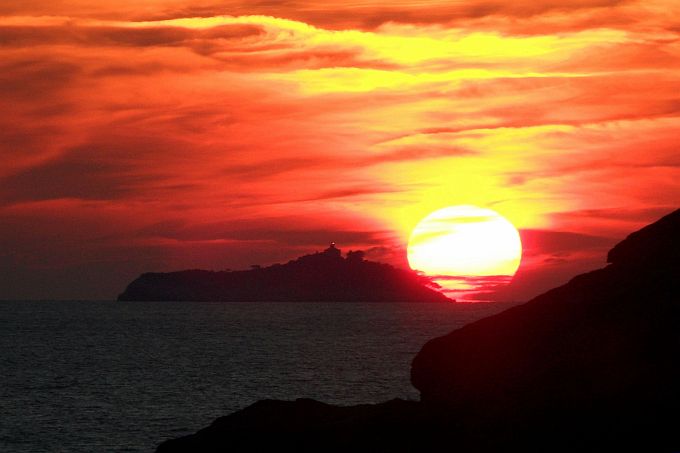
x=320, y=277
x=306, y=425
x=593, y=365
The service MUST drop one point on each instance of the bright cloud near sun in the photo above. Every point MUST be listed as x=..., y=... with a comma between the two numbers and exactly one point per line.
x=180, y=134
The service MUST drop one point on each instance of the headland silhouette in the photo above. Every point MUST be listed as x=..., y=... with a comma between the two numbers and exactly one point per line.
x=320, y=277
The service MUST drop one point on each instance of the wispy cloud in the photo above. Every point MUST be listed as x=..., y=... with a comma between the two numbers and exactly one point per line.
x=357, y=118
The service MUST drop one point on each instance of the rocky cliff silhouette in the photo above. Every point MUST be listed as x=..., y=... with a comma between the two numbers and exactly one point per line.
x=593, y=365
x=320, y=277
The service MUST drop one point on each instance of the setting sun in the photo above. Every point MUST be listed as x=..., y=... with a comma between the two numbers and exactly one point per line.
x=465, y=241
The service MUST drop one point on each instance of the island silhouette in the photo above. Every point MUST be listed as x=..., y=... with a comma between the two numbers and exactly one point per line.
x=593, y=365
x=319, y=277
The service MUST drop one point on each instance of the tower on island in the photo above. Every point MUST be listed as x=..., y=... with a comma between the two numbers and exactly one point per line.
x=333, y=251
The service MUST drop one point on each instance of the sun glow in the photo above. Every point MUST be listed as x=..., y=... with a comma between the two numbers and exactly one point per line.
x=465, y=241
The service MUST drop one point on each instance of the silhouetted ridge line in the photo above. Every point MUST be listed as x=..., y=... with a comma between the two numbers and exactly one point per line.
x=590, y=366
x=320, y=277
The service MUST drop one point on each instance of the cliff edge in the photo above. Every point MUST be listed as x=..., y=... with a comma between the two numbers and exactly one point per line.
x=601, y=352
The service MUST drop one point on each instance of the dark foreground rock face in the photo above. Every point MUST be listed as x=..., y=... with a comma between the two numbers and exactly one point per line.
x=320, y=277
x=309, y=426
x=601, y=353
x=593, y=365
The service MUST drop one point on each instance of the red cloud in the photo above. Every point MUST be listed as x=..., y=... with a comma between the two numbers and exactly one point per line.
x=228, y=141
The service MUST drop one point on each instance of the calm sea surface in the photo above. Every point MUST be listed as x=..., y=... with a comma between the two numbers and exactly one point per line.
x=124, y=376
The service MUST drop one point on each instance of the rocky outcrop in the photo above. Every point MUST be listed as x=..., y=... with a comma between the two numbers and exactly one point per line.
x=320, y=277
x=593, y=365
x=306, y=425
x=601, y=351
x=653, y=248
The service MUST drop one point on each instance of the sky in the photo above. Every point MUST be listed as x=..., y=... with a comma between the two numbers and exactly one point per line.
x=168, y=135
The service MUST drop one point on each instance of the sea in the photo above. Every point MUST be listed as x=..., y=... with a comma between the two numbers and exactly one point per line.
x=105, y=376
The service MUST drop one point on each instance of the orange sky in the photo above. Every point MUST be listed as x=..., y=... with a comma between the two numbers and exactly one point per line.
x=219, y=134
